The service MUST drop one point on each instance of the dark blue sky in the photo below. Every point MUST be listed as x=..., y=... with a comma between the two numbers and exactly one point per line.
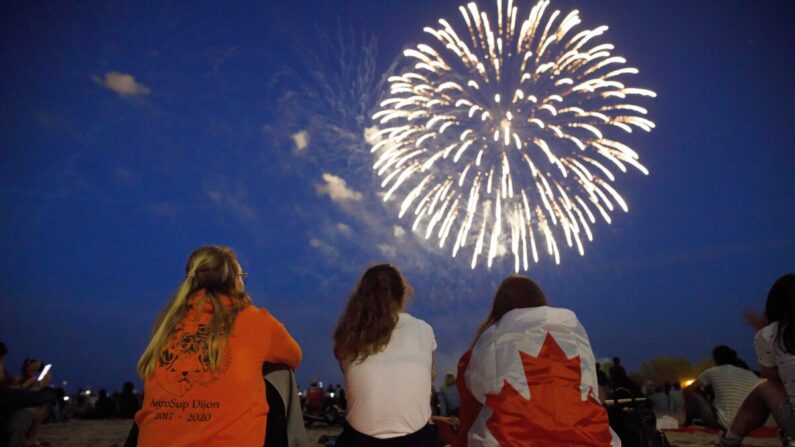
x=103, y=195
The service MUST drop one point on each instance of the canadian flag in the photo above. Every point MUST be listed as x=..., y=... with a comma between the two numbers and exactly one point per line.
x=530, y=380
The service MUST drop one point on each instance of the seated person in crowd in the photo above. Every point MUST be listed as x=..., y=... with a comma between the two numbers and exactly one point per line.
x=676, y=401
x=128, y=401
x=104, y=408
x=718, y=392
x=207, y=350
x=620, y=383
x=448, y=396
x=530, y=374
x=16, y=421
x=659, y=401
x=386, y=356
x=775, y=348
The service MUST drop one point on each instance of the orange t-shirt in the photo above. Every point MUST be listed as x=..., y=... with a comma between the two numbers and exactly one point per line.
x=187, y=404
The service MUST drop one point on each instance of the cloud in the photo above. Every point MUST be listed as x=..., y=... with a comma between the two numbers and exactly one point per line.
x=371, y=135
x=165, y=209
x=121, y=83
x=337, y=189
x=300, y=140
x=323, y=247
x=389, y=251
x=399, y=232
x=235, y=202
x=345, y=229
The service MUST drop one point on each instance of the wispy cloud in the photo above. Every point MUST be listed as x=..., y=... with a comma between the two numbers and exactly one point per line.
x=122, y=83
x=388, y=251
x=323, y=247
x=337, y=189
x=234, y=201
x=169, y=210
x=345, y=229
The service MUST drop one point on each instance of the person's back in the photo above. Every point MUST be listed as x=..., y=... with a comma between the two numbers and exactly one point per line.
x=659, y=402
x=618, y=375
x=315, y=400
x=772, y=354
x=537, y=361
x=105, y=407
x=386, y=356
x=185, y=404
x=128, y=402
x=676, y=400
x=730, y=385
x=389, y=392
x=450, y=399
x=202, y=368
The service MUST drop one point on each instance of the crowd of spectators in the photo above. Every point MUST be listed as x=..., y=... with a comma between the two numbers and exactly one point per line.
x=728, y=396
x=29, y=400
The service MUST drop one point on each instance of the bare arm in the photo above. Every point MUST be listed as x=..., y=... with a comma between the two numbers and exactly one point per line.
x=771, y=373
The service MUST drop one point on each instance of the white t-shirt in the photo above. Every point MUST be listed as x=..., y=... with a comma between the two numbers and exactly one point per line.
x=731, y=384
x=389, y=394
x=771, y=354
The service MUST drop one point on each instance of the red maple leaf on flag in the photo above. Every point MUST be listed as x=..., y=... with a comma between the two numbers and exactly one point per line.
x=555, y=414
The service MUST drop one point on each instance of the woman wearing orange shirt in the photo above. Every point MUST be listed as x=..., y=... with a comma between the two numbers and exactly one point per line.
x=202, y=369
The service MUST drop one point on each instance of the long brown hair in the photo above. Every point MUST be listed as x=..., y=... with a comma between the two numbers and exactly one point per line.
x=215, y=270
x=371, y=314
x=515, y=292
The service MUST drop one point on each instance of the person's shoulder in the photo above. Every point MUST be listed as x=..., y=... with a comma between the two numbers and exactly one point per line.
x=707, y=373
x=767, y=333
x=731, y=371
x=529, y=318
x=562, y=313
x=545, y=312
x=747, y=373
x=410, y=321
x=254, y=314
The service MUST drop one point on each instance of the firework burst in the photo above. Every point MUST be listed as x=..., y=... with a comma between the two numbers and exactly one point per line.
x=499, y=136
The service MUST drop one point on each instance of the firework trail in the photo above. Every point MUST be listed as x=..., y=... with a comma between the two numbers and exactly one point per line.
x=499, y=134
x=331, y=94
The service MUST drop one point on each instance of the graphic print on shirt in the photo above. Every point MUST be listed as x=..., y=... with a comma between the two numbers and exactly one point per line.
x=186, y=360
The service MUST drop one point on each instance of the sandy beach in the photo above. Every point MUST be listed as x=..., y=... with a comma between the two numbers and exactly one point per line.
x=113, y=432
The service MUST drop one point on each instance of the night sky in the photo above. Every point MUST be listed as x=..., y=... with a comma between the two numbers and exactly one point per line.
x=133, y=132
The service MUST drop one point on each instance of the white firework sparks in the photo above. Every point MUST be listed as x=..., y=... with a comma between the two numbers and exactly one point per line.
x=497, y=137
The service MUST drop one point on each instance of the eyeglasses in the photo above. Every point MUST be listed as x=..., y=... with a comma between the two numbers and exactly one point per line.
x=243, y=276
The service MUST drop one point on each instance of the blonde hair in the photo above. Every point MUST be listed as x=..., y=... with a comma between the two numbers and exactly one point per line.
x=215, y=270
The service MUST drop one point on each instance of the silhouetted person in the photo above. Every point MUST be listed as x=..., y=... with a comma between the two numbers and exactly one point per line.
x=128, y=401
x=104, y=408
x=620, y=381
x=617, y=371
